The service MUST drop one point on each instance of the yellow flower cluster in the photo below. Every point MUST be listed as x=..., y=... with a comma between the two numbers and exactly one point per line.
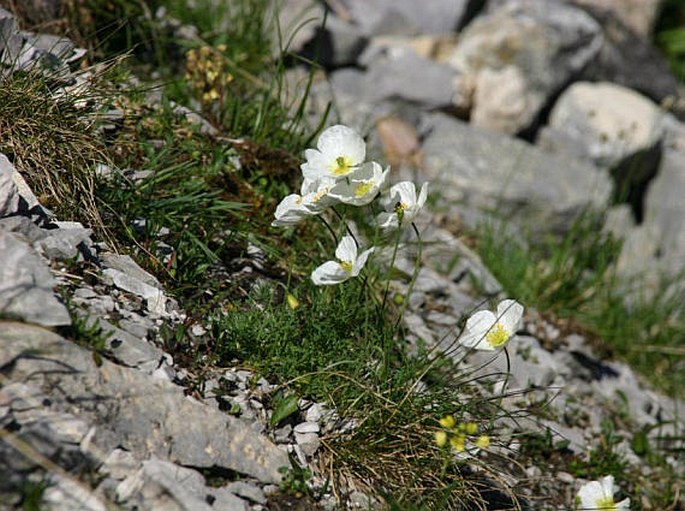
x=207, y=72
x=457, y=435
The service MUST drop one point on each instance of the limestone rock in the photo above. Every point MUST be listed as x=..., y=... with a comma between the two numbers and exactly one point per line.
x=298, y=20
x=665, y=210
x=609, y=122
x=537, y=45
x=490, y=171
x=338, y=43
x=627, y=59
x=639, y=15
x=160, y=486
x=9, y=194
x=127, y=275
x=130, y=410
x=26, y=285
x=394, y=76
x=65, y=494
x=15, y=195
x=66, y=241
x=408, y=17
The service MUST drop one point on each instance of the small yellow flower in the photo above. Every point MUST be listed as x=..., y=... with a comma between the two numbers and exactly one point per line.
x=448, y=422
x=483, y=441
x=293, y=302
x=470, y=428
x=458, y=443
x=210, y=95
x=440, y=438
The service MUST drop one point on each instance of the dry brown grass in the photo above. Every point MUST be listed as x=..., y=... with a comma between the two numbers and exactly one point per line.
x=50, y=134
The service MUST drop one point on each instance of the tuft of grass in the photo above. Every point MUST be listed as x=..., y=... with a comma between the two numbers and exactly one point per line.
x=332, y=348
x=50, y=133
x=574, y=278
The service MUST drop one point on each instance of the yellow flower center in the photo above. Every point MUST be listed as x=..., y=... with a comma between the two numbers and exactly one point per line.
x=347, y=266
x=606, y=504
x=342, y=166
x=400, y=207
x=363, y=188
x=497, y=335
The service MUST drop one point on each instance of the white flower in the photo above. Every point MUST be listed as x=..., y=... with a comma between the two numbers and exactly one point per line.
x=314, y=200
x=339, y=151
x=348, y=264
x=290, y=211
x=402, y=205
x=362, y=186
x=316, y=194
x=486, y=331
x=599, y=495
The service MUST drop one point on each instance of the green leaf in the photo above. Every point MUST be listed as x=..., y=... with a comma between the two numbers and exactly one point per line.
x=285, y=407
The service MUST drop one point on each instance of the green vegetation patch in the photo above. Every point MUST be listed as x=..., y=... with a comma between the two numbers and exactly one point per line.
x=574, y=277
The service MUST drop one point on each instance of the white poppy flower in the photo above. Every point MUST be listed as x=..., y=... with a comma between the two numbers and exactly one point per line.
x=486, y=331
x=314, y=200
x=362, y=186
x=402, y=205
x=348, y=264
x=290, y=211
x=599, y=496
x=316, y=194
x=340, y=150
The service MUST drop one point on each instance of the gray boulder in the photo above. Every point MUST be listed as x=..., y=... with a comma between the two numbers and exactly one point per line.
x=607, y=122
x=525, y=52
x=8, y=26
x=298, y=21
x=9, y=193
x=407, y=76
x=15, y=195
x=127, y=275
x=408, y=17
x=146, y=416
x=488, y=171
x=26, y=51
x=610, y=125
x=10, y=41
x=160, y=485
x=664, y=212
x=628, y=59
x=26, y=285
x=66, y=242
x=336, y=44
x=638, y=15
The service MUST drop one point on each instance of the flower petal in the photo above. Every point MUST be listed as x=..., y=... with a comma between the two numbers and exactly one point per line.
x=340, y=140
x=361, y=261
x=509, y=314
x=290, y=211
x=329, y=273
x=387, y=221
x=423, y=195
x=589, y=494
x=347, y=249
x=476, y=330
